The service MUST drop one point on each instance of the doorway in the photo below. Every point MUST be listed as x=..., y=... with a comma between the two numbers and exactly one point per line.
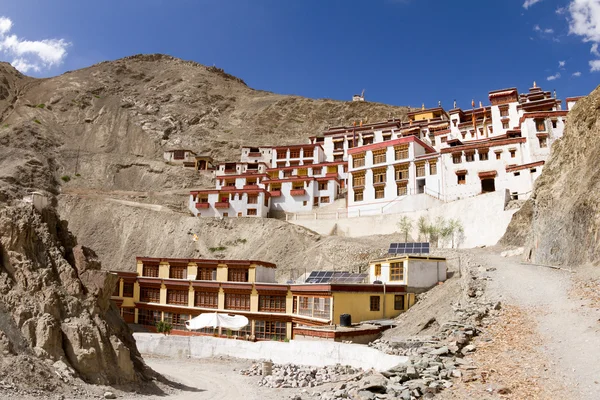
x=488, y=185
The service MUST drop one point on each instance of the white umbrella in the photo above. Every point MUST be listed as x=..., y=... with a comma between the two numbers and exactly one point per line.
x=216, y=320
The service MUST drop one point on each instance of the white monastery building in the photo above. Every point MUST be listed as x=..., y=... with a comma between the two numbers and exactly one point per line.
x=448, y=155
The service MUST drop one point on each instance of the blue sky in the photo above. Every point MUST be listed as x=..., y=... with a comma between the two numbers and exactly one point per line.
x=402, y=52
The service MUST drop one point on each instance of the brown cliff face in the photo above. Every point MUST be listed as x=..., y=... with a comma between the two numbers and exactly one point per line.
x=55, y=307
x=560, y=224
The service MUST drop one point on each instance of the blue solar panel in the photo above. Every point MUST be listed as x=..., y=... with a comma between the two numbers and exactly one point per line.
x=409, y=248
x=335, y=277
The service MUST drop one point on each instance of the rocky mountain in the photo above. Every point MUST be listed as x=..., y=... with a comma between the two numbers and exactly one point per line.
x=560, y=223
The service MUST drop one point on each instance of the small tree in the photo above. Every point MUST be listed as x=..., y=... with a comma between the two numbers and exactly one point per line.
x=457, y=229
x=405, y=225
x=423, y=226
x=163, y=327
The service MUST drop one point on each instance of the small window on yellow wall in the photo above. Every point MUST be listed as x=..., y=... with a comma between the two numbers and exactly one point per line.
x=399, y=302
x=374, y=300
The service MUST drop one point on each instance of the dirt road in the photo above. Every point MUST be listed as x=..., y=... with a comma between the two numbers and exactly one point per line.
x=568, y=325
x=205, y=379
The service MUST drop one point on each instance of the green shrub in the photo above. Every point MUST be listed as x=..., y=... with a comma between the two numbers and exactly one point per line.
x=78, y=175
x=163, y=327
x=215, y=249
x=37, y=121
x=41, y=105
x=65, y=178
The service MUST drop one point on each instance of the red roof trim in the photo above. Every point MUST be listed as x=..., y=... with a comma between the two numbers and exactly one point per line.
x=524, y=166
x=490, y=143
x=390, y=143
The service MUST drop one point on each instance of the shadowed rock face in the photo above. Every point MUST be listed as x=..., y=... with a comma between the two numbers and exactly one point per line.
x=560, y=224
x=56, y=305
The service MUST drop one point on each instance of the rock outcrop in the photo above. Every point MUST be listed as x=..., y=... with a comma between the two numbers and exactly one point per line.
x=56, y=318
x=560, y=223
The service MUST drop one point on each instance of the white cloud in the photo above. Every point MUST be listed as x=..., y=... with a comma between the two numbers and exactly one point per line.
x=31, y=55
x=561, y=10
x=595, y=66
x=553, y=77
x=594, y=50
x=585, y=19
x=548, y=30
x=576, y=74
x=561, y=64
x=529, y=3
x=537, y=28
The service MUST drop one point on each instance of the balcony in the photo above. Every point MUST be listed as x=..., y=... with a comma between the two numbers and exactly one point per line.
x=202, y=205
x=253, y=154
x=275, y=193
x=222, y=205
x=298, y=192
x=251, y=187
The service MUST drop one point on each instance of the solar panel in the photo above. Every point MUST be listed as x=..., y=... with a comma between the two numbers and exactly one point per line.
x=409, y=248
x=335, y=277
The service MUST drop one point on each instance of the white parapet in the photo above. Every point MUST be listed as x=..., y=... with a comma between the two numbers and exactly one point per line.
x=313, y=353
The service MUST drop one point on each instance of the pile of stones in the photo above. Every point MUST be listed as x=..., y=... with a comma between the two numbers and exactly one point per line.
x=297, y=376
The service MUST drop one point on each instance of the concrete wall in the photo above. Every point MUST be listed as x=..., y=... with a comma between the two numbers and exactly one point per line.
x=315, y=353
x=483, y=218
x=424, y=274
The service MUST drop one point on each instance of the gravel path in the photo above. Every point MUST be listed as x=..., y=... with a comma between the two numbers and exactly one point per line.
x=568, y=326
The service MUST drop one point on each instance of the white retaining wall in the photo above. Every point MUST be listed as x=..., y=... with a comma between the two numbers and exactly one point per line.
x=314, y=353
x=483, y=218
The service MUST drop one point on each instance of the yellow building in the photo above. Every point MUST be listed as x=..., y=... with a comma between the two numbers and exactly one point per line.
x=416, y=273
x=175, y=290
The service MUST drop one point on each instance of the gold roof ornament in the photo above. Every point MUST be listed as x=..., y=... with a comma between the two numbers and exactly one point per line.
x=423, y=106
x=534, y=84
x=555, y=93
x=480, y=105
x=439, y=103
x=454, y=103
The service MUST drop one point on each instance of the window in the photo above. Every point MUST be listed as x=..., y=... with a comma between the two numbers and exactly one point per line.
x=253, y=199
x=533, y=170
x=399, y=302
x=317, y=171
x=379, y=156
x=513, y=153
x=358, y=195
x=128, y=289
x=316, y=307
x=323, y=185
x=150, y=271
x=420, y=169
x=270, y=330
x=554, y=123
x=237, y=301
x=462, y=178
x=379, y=175
x=470, y=157
x=177, y=320
x=464, y=135
x=386, y=136
x=179, y=154
x=517, y=174
x=368, y=140
x=308, y=153
x=456, y=158
x=401, y=188
x=206, y=274
x=401, y=152
x=271, y=303
x=305, y=203
x=358, y=179
x=287, y=173
x=401, y=172
x=237, y=275
x=379, y=193
x=206, y=299
x=294, y=153
x=150, y=295
x=377, y=269
x=504, y=112
x=540, y=125
x=148, y=317
x=226, y=214
x=179, y=297
x=443, y=139
x=498, y=155
x=543, y=142
x=245, y=331
x=374, y=302
x=252, y=212
x=358, y=161
x=504, y=124
x=397, y=271
x=325, y=199
x=432, y=167
x=338, y=145
x=338, y=157
x=483, y=155
x=178, y=272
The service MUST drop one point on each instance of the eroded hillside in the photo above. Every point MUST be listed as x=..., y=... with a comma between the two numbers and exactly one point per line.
x=560, y=224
